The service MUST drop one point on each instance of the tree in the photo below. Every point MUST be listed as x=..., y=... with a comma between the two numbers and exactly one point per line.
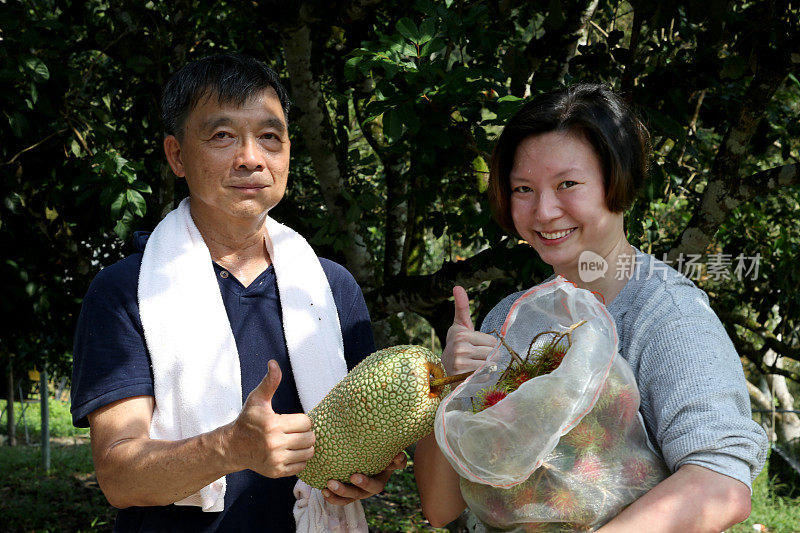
x=395, y=116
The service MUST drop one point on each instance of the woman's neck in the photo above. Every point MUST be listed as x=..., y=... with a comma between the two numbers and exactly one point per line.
x=605, y=274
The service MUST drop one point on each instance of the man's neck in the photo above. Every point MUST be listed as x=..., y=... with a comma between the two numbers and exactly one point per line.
x=237, y=246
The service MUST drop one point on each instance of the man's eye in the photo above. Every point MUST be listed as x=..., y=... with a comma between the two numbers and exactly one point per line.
x=221, y=135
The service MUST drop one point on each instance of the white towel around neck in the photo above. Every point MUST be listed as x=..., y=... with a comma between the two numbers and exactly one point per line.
x=197, y=377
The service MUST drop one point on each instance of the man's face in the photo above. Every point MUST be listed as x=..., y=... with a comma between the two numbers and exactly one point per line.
x=235, y=159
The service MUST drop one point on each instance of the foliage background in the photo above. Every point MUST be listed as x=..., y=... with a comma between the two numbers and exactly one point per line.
x=397, y=105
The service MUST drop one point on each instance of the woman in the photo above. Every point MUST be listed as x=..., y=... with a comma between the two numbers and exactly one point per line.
x=564, y=170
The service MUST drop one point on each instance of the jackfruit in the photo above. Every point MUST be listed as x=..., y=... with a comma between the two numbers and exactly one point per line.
x=385, y=404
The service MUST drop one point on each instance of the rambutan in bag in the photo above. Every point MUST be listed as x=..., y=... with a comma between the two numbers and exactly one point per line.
x=562, y=447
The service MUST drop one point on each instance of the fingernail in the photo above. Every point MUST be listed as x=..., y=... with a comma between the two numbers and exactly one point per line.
x=358, y=478
x=326, y=493
x=333, y=485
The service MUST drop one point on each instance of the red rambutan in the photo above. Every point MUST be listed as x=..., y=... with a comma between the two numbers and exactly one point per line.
x=564, y=503
x=620, y=411
x=586, y=436
x=489, y=397
x=590, y=468
x=636, y=471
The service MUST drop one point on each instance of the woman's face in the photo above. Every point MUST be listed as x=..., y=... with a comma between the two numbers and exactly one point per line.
x=558, y=200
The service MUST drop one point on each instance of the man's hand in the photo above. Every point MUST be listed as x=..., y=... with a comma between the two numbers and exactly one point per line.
x=362, y=486
x=465, y=349
x=272, y=444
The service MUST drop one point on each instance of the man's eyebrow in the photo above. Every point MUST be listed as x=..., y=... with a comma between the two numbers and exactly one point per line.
x=214, y=122
x=275, y=123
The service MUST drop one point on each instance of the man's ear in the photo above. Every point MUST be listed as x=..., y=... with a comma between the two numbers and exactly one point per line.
x=172, y=149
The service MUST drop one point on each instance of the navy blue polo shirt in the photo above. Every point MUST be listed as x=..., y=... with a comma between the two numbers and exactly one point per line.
x=111, y=362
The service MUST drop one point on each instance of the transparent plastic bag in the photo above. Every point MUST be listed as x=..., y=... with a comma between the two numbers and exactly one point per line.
x=566, y=450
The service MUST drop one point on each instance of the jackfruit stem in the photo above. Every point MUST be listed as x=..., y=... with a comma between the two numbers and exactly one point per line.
x=447, y=380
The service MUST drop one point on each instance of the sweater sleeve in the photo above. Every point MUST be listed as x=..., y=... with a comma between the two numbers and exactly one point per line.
x=695, y=400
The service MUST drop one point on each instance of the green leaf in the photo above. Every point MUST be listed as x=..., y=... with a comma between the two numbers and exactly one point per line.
x=37, y=68
x=137, y=201
x=122, y=229
x=141, y=187
x=427, y=30
x=118, y=204
x=351, y=70
x=392, y=125
x=119, y=162
x=408, y=29
x=434, y=46
x=18, y=123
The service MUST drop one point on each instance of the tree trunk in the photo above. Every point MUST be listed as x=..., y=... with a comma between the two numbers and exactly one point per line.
x=44, y=395
x=317, y=133
x=577, y=36
x=788, y=430
x=12, y=423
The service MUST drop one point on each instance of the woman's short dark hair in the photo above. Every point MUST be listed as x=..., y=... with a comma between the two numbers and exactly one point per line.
x=232, y=78
x=619, y=138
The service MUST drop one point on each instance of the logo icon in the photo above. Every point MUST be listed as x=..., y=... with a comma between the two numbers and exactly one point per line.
x=591, y=266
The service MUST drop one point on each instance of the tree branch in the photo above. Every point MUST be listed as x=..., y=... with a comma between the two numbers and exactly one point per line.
x=422, y=294
x=725, y=189
x=756, y=355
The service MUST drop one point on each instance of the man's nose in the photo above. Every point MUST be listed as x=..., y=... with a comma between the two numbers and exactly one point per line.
x=249, y=155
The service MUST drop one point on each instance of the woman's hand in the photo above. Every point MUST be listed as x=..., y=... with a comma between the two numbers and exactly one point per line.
x=465, y=349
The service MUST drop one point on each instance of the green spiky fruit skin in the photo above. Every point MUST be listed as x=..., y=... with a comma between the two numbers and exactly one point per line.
x=380, y=408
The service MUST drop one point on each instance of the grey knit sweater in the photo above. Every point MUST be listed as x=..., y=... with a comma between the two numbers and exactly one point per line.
x=695, y=403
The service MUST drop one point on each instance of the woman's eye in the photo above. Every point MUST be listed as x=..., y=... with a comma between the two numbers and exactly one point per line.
x=567, y=184
x=521, y=189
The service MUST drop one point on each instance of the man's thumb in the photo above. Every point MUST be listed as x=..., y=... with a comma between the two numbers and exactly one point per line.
x=461, y=301
x=266, y=389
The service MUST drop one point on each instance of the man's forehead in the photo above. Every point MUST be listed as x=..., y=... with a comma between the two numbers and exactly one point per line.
x=211, y=107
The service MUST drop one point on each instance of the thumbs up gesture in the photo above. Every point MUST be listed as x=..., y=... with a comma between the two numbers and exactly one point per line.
x=274, y=445
x=466, y=349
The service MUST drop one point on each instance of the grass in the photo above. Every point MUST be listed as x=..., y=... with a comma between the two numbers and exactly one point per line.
x=60, y=420
x=778, y=513
x=67, y=498
x=397, y=509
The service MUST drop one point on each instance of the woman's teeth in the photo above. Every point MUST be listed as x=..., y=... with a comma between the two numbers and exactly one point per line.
x=556, y=235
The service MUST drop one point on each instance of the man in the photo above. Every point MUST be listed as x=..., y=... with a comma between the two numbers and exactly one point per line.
x=161, y=434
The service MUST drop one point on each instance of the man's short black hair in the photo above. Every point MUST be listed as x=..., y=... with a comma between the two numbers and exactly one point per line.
x=233, y=78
